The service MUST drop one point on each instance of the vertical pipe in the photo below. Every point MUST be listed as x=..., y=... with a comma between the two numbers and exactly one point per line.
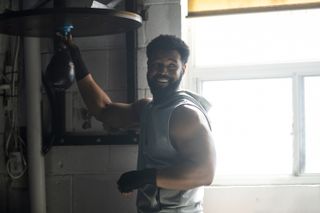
x=132, y=66
x=36, y=170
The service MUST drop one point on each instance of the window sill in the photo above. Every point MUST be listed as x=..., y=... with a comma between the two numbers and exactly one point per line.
x=310, y=179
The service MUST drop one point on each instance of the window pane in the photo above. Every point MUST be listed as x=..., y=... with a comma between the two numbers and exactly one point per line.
x=252, y=125
x=256, y=38
x=312, y=124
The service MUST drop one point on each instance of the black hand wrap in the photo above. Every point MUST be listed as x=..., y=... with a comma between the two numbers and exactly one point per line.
x=136, y=179
x=81, y=70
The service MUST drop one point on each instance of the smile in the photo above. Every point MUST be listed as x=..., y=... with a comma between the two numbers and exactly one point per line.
x=162, y=80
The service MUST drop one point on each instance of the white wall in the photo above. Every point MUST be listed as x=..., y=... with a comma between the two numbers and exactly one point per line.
x=263, y=199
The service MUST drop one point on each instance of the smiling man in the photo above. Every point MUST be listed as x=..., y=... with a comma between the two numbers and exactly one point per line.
x=176, y=151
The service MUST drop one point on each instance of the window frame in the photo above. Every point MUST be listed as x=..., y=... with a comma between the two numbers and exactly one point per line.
x=296, y=71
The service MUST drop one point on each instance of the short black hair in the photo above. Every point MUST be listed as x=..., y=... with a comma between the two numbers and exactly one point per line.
x=168, y=42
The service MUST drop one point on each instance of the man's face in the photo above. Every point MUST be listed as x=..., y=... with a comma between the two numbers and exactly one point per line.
x=165, y=71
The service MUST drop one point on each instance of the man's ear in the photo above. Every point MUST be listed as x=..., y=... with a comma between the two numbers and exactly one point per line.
x=184, y=68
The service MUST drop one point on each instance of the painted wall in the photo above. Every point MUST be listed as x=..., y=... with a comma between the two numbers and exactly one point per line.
x=82, y=179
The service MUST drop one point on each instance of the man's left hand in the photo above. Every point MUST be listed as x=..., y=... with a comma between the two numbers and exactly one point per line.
x=136, y=179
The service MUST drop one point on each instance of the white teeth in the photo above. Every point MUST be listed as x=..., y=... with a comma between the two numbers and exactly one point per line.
x=162, y=80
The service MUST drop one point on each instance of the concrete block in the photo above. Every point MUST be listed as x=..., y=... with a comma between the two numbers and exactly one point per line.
x=142, y=36
x=59, y=194
x=163, y=19
x=75, y=115
x=142, y=68
x=116, y=69
x=99, y=193
x=96, y=62
x=118, y=95
x=122, y=158
x=101, y=42
x=77, y=160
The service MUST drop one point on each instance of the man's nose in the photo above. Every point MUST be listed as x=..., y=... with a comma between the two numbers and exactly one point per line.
x=163, y=70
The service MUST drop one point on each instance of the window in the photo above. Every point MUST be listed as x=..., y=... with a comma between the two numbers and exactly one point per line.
x=244, y=114
x=261, y=72
x=312, y=124
x=259, y=38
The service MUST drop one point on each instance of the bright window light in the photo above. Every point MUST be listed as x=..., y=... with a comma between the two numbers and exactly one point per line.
x=312, y=124
x=261, y=72
x=256, y=38
x=252, y=125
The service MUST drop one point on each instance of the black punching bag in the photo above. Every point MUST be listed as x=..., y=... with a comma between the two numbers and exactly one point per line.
x=60, y=71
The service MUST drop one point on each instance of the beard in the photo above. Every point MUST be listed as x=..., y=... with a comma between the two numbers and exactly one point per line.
x=161, y=93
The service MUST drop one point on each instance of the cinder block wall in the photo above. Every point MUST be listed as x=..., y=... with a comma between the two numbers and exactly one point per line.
x=83, y=178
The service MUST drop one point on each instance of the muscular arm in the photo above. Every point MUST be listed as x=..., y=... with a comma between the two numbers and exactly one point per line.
x=190, y=135
x=115, y=115
x=99, y=104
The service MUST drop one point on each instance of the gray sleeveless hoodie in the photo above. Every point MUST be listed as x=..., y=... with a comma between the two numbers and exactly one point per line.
x=156, y=151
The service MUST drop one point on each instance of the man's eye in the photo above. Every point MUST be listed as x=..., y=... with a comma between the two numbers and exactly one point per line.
x=172, y=66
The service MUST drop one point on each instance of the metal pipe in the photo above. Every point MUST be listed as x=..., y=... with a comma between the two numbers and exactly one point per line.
x=34, y=137
x=132, y=66
x=36, y=172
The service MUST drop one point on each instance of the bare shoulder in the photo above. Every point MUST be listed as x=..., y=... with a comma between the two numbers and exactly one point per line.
x=139, y=105
x=187, y=120
x=142, y=102
x=187, y=115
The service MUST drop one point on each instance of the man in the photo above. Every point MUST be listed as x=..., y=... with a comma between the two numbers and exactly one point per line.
x=176, y=152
